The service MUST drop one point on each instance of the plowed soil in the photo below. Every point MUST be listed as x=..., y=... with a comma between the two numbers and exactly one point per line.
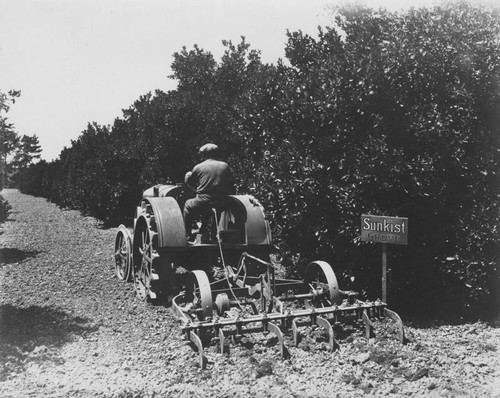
x=70, y=328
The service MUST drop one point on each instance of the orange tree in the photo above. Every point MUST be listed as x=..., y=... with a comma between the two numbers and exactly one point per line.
x=155, y=141
x=395, y=114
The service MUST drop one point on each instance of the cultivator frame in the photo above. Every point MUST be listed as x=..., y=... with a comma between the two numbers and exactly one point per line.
x=244, y=295
x=204, y=318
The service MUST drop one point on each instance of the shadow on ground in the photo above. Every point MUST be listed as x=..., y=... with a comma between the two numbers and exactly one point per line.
x=35, y=334
x=10, y=256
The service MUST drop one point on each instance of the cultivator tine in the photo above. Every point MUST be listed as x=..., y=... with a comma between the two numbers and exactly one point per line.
x=222, y=339
x=197, y=341
x=322, y=322
x=276, y=330
x=397, y=319
x=295, y=332
x=368, y=324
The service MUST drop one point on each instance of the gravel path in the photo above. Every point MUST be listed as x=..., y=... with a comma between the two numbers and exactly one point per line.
x=70, y=328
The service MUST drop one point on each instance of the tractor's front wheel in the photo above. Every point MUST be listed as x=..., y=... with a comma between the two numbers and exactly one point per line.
x=123, y=254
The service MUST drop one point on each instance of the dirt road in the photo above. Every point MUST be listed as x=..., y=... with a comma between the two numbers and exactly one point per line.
x=70, y=328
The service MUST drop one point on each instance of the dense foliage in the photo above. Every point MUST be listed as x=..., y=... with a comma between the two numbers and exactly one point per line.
x=383, y=113
x=5, y=209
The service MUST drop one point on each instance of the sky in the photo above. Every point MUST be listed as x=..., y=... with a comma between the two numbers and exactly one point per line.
x=82, y=61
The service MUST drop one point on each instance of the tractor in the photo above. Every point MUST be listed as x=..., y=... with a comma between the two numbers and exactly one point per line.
x=223, y=283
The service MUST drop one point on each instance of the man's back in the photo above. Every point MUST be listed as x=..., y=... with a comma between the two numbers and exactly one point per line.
x=212, y=177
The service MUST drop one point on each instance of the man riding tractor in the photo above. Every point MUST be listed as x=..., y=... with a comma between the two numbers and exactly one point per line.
x=212, y=181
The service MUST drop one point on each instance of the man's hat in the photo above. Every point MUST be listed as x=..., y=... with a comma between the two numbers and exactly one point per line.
x=209, y=150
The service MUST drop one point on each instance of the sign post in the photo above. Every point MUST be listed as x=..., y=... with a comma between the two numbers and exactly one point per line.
x=384, y=272
x=382, y=229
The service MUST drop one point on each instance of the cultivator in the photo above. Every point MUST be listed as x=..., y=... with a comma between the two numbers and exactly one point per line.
x=267, y=304
x=243, y=294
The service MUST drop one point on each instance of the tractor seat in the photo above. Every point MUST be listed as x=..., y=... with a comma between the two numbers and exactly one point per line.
x=231, y=230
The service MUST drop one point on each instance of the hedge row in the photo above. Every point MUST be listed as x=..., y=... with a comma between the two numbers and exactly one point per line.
x=383, y=113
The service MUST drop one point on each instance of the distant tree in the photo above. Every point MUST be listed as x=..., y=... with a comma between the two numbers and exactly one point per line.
x=27, y=150
x=8, y=136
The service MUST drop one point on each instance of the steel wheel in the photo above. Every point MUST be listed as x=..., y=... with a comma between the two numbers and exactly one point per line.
x=199, y=294
x=146, y=259
x=319, y=277
x=143, y=261
x=123, y=254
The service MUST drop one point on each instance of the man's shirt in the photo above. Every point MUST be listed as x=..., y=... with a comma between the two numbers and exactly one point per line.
x=212, y=177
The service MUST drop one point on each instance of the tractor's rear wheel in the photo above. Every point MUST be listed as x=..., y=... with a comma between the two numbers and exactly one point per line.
x=123, y=254
x=151, y=271
x=143, y=261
